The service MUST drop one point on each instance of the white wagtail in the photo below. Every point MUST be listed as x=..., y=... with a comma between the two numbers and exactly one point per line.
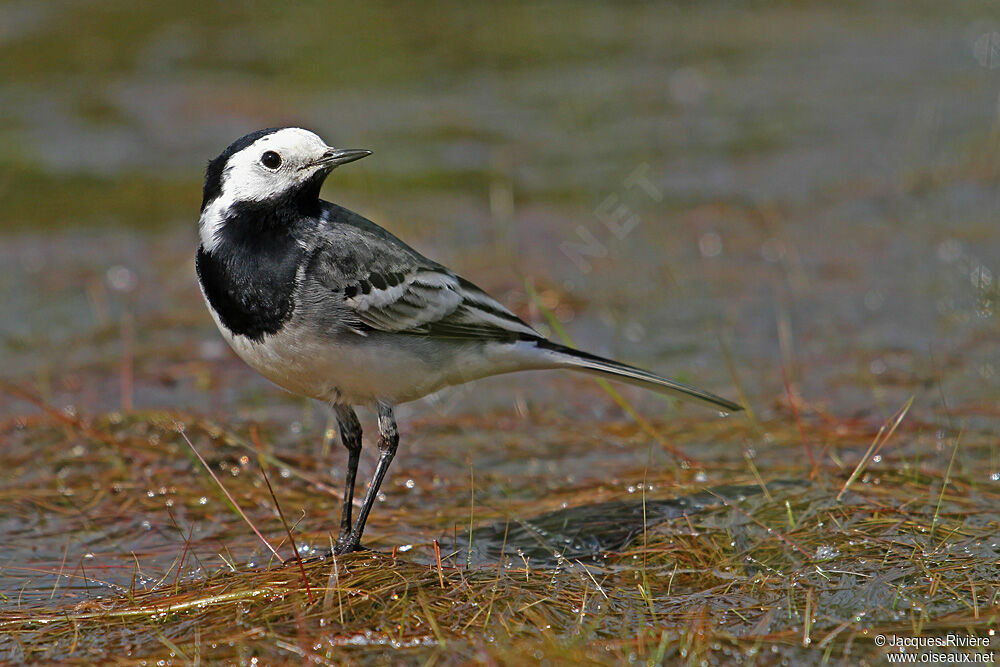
x=329, y=305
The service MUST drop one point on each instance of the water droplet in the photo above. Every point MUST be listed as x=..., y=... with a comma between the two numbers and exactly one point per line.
x=826, y=552
x=410, y=484
x=710, y=245
x=121, y=278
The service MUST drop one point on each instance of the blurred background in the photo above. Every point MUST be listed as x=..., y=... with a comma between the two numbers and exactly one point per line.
x=792, y=203
x=730, y=194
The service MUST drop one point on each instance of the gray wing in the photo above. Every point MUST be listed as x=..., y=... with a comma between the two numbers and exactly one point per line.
x=382, y=284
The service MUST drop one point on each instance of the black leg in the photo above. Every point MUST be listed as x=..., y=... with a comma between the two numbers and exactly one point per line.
x=387, y=443
x=350, y=435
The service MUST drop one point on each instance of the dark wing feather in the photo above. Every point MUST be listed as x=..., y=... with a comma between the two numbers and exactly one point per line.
x=387, y=286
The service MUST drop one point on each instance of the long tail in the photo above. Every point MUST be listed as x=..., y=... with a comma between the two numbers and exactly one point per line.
x=567, y=357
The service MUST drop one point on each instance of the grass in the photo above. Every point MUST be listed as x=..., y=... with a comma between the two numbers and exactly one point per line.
x=790, y=534
x=810, y=570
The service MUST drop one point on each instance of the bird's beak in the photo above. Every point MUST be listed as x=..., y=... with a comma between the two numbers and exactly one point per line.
x=334, y=157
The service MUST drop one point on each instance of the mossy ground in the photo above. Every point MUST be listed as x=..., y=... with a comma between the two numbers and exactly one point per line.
x=798, y=565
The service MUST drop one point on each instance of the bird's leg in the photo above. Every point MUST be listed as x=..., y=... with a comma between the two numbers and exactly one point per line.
x=388, y=441
x=350, y=436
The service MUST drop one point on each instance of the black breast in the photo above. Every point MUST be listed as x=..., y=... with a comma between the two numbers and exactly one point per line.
x=249, y=278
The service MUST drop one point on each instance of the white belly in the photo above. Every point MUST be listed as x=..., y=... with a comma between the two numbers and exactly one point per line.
x=357, y=369
x=326, y=370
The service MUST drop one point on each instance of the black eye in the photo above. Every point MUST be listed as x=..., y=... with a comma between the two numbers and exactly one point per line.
x=271, y=160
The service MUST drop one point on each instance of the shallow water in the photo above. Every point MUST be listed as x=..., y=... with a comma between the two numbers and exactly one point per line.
x=808, y=191
x=823, y=203
x=589, y=532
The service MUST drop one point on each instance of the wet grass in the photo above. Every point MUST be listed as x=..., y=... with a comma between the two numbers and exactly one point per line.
x=121, y=547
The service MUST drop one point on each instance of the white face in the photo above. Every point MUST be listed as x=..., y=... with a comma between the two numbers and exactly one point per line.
x=273, y=164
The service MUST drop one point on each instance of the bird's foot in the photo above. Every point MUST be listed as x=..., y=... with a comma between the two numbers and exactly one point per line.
x=348, y=544
x=345, y=544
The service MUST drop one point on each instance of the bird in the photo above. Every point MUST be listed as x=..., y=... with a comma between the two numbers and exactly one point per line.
x=326, y=304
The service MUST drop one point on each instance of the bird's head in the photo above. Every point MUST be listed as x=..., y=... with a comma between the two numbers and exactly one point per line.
x=276, y=165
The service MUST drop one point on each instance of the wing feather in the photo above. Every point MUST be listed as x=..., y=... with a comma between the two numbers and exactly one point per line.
x=432, y=301
x=387, y=286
